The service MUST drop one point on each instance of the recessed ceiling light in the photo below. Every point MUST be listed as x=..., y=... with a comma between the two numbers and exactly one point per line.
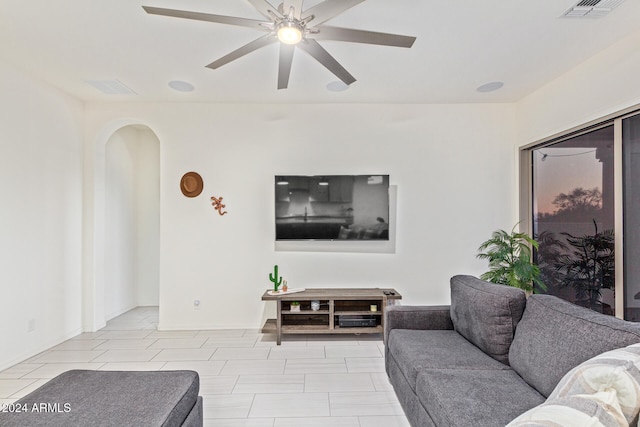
x=181, y=86
x=490, y=87
x=337, y=86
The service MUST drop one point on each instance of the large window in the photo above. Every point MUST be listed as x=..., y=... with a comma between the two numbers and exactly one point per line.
x=573, y=218
x=631, y=198
x=583, y=194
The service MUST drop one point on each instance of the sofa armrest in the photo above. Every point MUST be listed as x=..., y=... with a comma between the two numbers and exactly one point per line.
x=416, y=317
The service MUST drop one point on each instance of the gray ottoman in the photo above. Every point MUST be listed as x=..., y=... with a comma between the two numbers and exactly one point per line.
x=111, y=398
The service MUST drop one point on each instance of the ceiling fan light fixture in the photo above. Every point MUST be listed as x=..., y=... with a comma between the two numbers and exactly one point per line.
x=289, y=32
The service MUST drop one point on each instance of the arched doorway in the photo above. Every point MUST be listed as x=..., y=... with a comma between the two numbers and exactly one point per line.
x=122, y=223
x=132, y=226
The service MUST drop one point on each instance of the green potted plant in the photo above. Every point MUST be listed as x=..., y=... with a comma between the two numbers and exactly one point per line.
x=589, y=267
x=295, y=306
x=510, y=262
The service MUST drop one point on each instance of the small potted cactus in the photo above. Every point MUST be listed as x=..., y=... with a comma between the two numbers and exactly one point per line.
x=295, y=306
x=273, y=277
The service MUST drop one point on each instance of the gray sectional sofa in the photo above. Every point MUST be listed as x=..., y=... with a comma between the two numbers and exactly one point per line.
x=491, y=355
x=83, y=398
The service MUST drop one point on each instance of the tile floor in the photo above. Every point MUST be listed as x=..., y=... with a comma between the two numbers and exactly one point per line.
x=245, y=379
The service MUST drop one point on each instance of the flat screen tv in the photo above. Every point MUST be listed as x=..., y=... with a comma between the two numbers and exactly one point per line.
x=332, y=207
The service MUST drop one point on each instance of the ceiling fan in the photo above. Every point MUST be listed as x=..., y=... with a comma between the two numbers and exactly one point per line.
x=294, y=27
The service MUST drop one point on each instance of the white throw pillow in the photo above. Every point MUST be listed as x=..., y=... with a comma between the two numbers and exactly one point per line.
x=601, y=392
x=617, y=370
x=597, y=410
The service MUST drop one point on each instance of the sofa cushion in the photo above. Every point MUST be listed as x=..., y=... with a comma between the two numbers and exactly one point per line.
x=616, y=371
x=474, y=397
x=555, y=336
x=415, y=350
x=486, y=313
x=196, y=416
x=574, y=411
x=111, y=398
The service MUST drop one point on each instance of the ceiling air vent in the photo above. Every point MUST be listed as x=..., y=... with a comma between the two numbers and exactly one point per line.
x=591, y=8
x=588, y=3
x=111, y=87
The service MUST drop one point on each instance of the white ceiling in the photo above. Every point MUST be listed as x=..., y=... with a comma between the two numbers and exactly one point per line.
x=461, y=44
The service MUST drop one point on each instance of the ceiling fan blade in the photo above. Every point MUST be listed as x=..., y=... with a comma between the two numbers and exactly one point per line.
x=247, y=48
x=322, y=56
x=297, y=7
x=198, y=16
x=328, y=9
x=361, y=36
x=265, y=8
x=284, y=66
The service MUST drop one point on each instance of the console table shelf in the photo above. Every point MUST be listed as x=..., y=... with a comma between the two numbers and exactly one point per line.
x=347, y=304
x=305, y=312
x=368, y=313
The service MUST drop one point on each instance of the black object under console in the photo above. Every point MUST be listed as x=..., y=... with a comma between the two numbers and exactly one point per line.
x=356, y=321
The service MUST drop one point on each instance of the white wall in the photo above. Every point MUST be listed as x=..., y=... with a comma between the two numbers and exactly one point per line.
x=132, y=212
x=147, y=217
x=40, y=216
x=453, y=166
x=120, y=226
x=602, y=85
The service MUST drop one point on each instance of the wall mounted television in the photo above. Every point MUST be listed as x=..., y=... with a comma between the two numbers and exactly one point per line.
x=332, y=207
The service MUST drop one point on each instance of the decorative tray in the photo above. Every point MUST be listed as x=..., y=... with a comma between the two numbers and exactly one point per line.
x=289, y=291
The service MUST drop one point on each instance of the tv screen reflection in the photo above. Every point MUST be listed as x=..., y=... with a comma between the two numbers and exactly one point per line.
x=332, y=207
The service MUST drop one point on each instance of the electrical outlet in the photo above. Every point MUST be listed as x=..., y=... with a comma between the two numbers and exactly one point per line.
x=31, y=326
x=196, y=304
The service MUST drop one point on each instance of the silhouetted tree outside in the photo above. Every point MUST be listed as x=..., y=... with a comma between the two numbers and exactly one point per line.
x=576, y=266
x=579, y=205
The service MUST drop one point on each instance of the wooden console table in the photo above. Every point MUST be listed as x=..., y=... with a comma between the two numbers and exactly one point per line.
x=341, y=311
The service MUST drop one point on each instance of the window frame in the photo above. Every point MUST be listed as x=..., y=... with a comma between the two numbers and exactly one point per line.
x=525, y=197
